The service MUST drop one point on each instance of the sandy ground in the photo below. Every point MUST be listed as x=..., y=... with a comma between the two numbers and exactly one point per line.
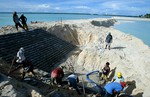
x=128, y=54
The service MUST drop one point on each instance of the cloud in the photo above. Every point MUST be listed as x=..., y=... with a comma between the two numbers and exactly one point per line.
x=57, y=8
x=40, y=7
x=35, y=7
x=130, y=7
x=77, y=2
x=43, y=6
x=87, y=6
x=113, y=5
x=82, y=7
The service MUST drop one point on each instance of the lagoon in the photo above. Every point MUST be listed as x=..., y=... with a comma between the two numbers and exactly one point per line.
x=138, y=28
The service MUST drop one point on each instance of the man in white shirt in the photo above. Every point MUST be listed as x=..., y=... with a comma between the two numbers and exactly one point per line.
x=20, y=55
x=18, y=61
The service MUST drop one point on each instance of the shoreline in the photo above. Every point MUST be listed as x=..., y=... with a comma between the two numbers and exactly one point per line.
x=131, y=18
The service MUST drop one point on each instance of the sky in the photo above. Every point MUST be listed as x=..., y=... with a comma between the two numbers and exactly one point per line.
x=115, y=7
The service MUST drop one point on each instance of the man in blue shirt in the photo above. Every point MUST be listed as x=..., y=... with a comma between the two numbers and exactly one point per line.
x=113, y=88
x=73, y=80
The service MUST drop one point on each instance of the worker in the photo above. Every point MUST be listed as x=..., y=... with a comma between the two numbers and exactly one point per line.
x=57, y=75
x=119, y=78
x=16, y=21
x=108, y=40
x=20, y=55
x=18, y=60
x=24, y=22
x=27, y=67
x=73, y=80
x=114, y=88
x=105, y=71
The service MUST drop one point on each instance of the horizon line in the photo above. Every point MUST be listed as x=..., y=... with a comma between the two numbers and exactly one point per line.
x=71, y=13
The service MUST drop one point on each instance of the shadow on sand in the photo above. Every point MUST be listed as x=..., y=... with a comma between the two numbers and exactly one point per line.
x=131, y=87
x=112, y=74
x=118, y=48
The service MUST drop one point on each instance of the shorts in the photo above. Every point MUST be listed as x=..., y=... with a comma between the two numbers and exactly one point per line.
x=108, y=44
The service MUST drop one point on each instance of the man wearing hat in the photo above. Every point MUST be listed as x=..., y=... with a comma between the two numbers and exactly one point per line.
x=119, y=78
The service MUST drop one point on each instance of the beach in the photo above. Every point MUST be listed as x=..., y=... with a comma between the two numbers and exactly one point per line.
x=128, y=54
x=131, y=18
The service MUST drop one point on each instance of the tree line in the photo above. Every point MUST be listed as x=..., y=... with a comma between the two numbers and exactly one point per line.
x=145, y=16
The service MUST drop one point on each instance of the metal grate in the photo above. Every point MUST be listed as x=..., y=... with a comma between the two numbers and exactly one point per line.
x=43, y=48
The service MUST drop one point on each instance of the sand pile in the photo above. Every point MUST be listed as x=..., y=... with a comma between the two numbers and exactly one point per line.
x=128, y=54
x=12, y=88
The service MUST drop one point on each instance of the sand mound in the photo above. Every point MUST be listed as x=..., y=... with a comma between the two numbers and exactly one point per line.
x=12, y=88
x=107, y=23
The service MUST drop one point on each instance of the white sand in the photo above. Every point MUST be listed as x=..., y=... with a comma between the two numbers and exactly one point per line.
x=128, y=54
x=130, y=18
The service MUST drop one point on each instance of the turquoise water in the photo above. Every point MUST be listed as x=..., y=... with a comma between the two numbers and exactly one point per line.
x=6, y=18
x=137, y=28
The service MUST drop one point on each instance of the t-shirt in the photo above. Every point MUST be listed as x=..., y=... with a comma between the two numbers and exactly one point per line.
x=72, y=76
x=118, y=79
x=109, y=38
x=57, y=73
x=106, y=70
x=73, y=80
x=23, y=19
x=110, y=87
x=16, y=19
x=20, y=56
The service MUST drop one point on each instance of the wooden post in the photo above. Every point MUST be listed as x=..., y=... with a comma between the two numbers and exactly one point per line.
x=61, y=21
x=83, y=87
x=12, y=63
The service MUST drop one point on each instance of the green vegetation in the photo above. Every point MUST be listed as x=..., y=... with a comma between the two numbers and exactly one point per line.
x=145, y=16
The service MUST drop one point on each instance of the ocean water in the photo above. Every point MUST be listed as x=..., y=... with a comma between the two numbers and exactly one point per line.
x=6, y=18
x=137, y=28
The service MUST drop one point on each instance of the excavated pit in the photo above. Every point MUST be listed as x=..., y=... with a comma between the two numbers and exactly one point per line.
x=91, y=55
x=78, y=48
